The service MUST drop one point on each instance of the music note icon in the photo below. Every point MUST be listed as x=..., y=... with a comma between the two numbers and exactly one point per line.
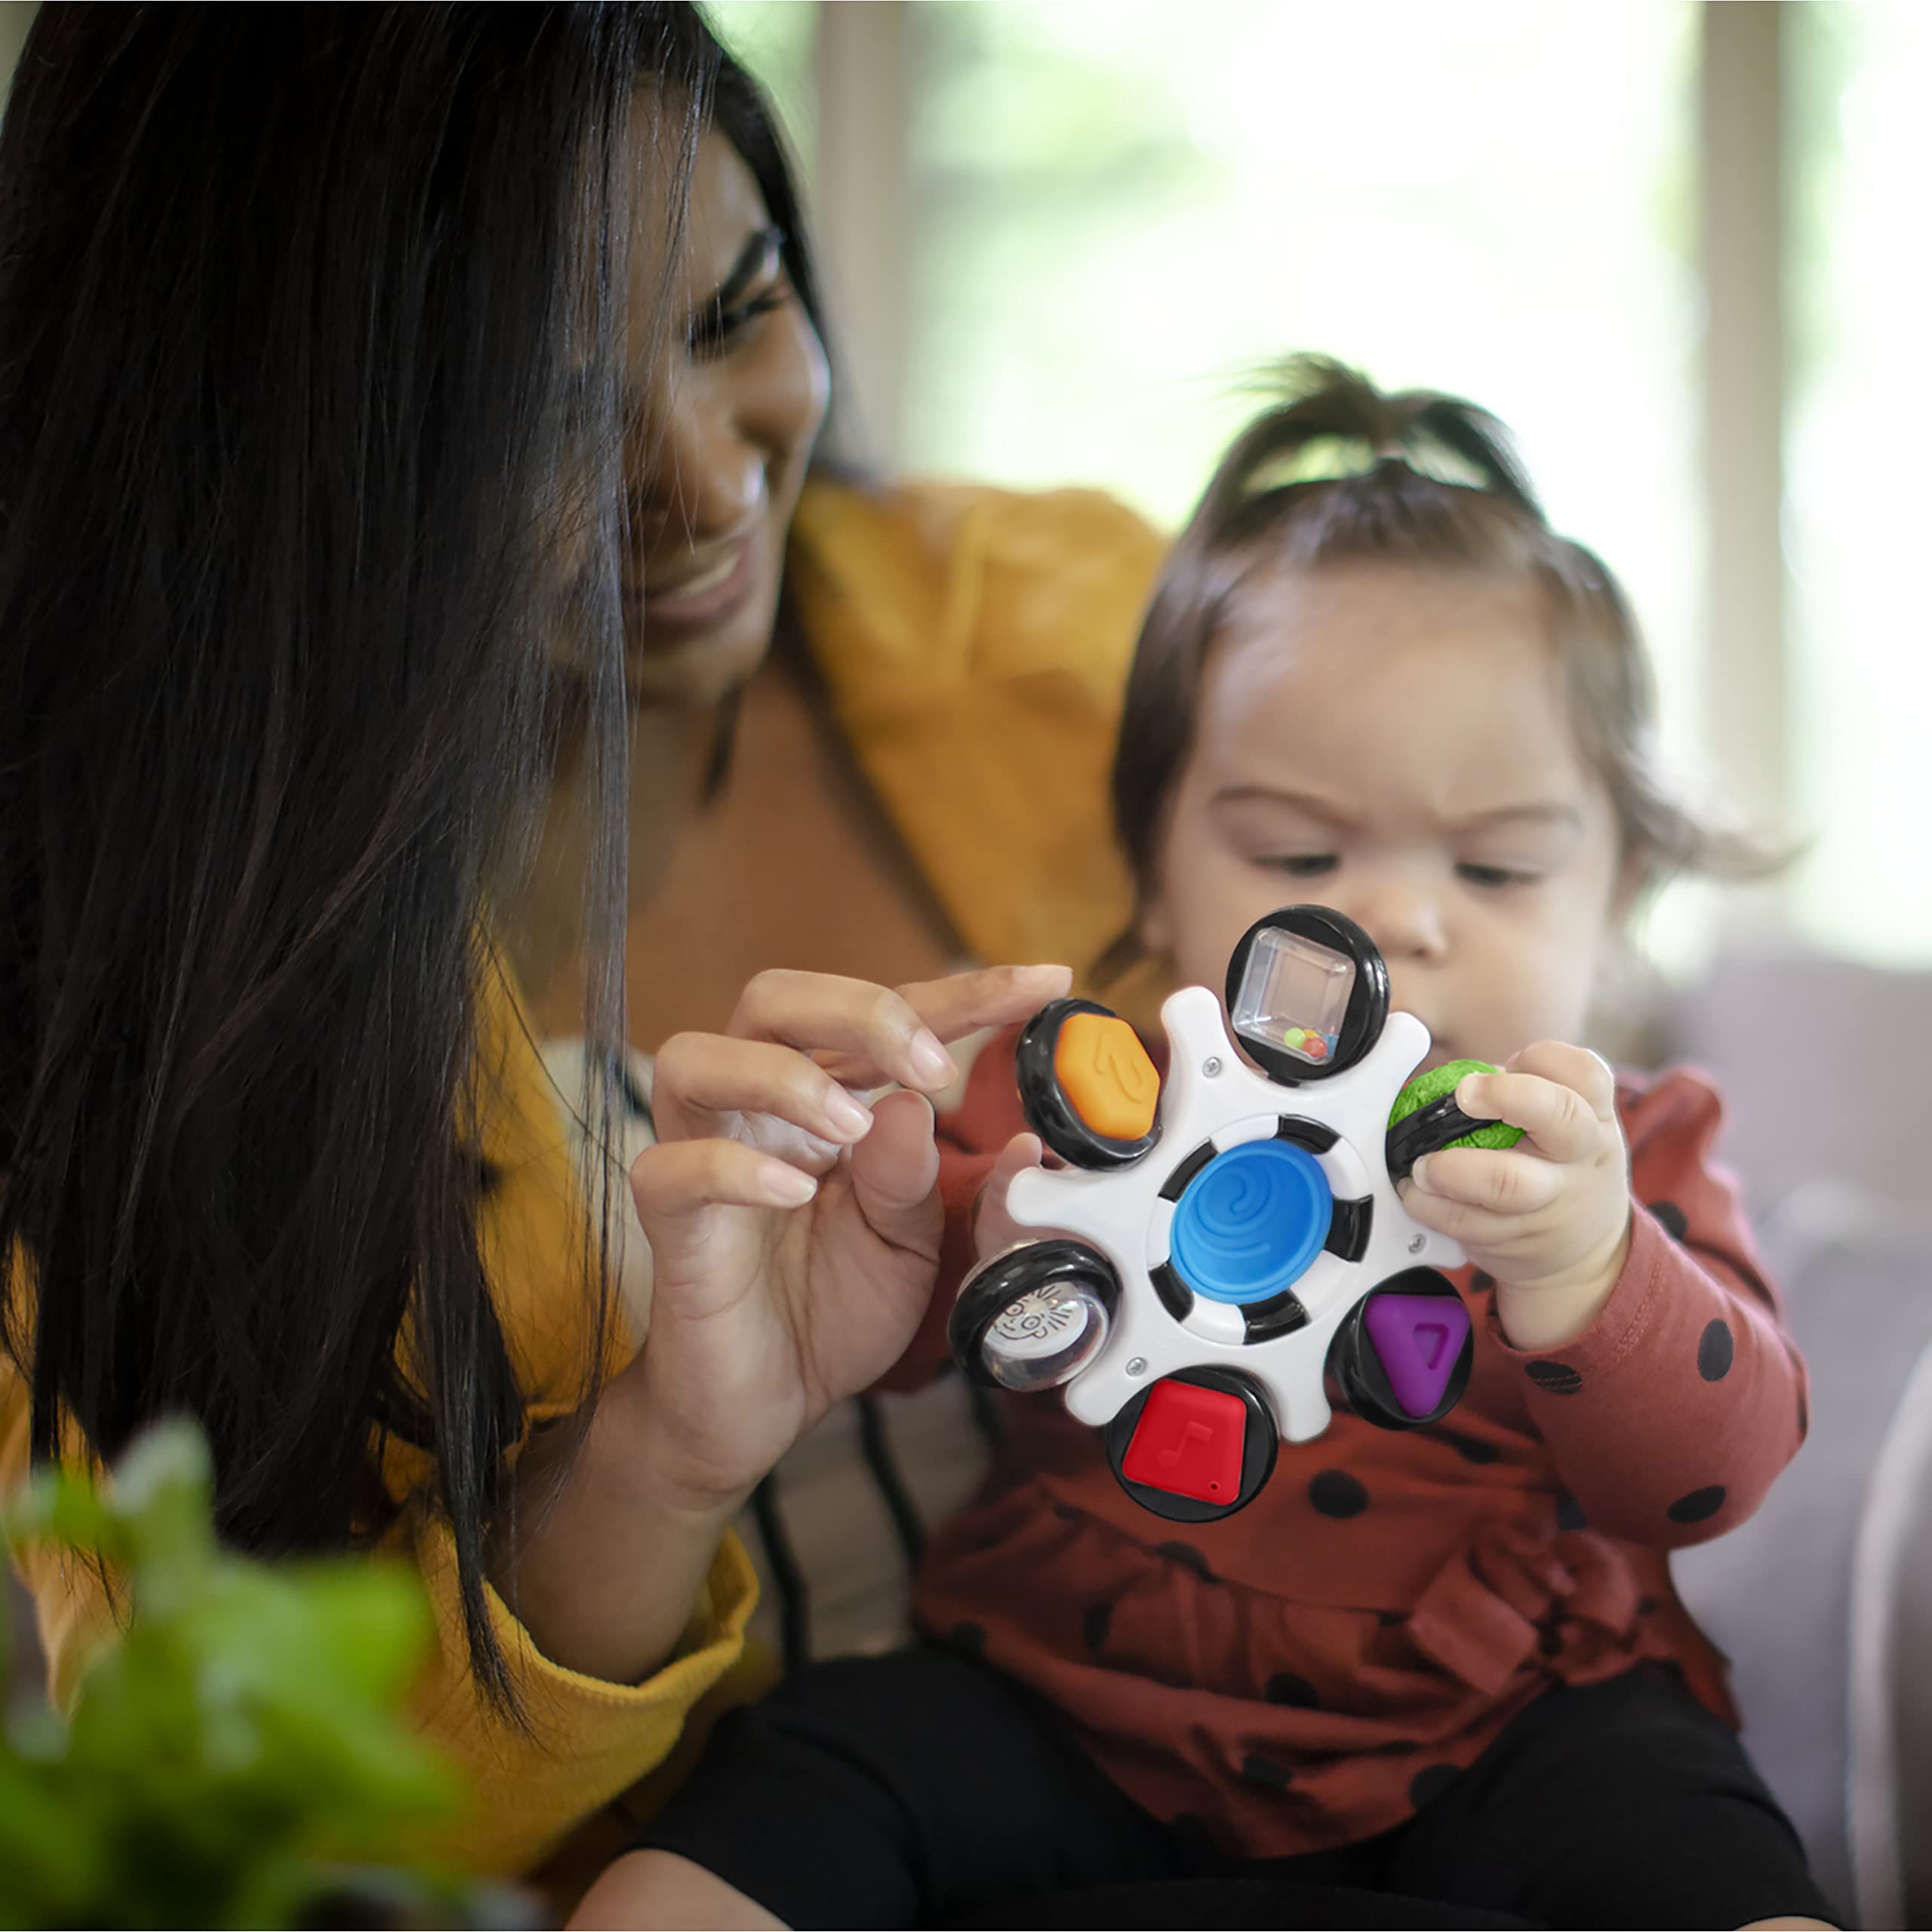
x=1191, y=1433
x=1189, y=1441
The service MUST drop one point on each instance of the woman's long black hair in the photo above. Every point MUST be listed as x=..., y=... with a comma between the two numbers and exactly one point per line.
x=296, y=304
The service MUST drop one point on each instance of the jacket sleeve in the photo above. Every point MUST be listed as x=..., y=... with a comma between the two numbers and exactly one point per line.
x=1671, y=1416
x=974, y=645
x=586, y=1740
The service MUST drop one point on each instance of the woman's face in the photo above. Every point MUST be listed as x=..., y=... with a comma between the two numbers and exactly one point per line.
x=729, y=390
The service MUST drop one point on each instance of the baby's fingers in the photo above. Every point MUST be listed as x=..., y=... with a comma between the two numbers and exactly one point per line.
x=1576, y=1068
x=994, y=1230
x=1561, y=1123
x=1504, y=1182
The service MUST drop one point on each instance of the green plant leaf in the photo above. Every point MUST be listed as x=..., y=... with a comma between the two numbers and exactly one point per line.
x=241, y=1747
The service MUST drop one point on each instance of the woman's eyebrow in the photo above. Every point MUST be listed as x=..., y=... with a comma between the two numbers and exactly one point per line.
x=752, y=260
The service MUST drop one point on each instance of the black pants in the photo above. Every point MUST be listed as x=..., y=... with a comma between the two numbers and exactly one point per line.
x=920, y=1790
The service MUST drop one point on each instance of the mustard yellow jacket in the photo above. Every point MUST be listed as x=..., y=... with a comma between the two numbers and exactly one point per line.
x=973, y=643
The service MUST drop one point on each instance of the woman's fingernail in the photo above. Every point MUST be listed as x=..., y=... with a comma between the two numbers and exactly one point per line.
x=1419, y=1174
x=850, y=1121
x=787, y=1187
x=930, y=1061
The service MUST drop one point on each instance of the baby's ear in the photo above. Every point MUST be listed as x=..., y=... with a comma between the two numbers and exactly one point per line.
x=1154, y=925
x=1633, y=874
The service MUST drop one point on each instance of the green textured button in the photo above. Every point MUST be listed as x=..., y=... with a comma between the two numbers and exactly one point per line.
x=1437, y=1085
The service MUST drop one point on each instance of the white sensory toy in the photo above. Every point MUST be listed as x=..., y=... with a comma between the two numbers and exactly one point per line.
x=1221, y=1243
x=1210, y=1095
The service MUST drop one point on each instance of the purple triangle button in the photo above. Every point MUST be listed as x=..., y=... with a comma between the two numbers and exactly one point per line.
x=1418, y=1340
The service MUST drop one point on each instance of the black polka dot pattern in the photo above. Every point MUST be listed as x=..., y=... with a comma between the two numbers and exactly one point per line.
x=1188, y=1557
x=1570, y=1514
x=1262, y=1770
x=968, y=1639
x=1647, y=1606
x=1671, y=1218
x=1095, y=1625
x=1715, y=1351
x=1429, y=1783
x=1285, y=1687
x=1558, y=1378
x=1698, y=1506
x=1389, y=1618
x=1481, y=1284
x=1335, y=1492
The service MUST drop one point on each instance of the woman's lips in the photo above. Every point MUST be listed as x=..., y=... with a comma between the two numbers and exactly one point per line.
x=701, y=598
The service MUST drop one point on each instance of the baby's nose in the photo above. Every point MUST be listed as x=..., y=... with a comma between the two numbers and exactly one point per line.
x=1405, y=921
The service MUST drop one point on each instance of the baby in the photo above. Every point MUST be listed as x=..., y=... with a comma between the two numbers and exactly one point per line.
x=1446, y=1666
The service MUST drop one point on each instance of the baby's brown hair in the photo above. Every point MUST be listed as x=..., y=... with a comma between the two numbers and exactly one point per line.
x=1436, y=484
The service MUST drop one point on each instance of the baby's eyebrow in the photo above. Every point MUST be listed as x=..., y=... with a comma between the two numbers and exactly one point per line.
x=1280, y=795
x=1552, y=812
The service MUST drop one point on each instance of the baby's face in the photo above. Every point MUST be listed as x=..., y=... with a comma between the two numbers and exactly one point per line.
x=1396, y=744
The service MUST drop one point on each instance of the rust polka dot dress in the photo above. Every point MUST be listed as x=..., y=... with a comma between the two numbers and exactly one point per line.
x=1308, y=1672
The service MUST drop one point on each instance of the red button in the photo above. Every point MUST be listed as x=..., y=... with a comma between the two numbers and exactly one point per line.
x=1189, y=1441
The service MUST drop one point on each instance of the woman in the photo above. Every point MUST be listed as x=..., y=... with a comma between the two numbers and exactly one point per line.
x=316, y=322
x=911, y=777
x=872, y=724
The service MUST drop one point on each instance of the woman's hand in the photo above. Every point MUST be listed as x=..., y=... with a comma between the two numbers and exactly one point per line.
x=794, y=1236
x=794, y=1229
x=1549, y=1218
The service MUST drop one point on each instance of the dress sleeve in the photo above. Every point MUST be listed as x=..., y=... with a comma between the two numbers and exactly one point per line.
x=1671, y=1416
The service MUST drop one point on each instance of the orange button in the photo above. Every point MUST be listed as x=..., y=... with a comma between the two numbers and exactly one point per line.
x=1105, y=1073
x=1189, y=1441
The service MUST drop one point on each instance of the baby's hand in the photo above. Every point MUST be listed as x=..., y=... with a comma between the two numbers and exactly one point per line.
x=995, y=1230
x=1549, y=1218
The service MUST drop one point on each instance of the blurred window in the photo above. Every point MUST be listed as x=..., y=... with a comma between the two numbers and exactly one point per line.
x=1856, y=497
x=1123, y=210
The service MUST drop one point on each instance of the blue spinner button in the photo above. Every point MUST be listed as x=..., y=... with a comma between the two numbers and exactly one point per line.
x=1251, y=1221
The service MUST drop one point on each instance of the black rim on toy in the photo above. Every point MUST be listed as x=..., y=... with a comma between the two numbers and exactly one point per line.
x=1428, y=1130
x=1367, y=1008
x=1049, y=1112
x=1258, y=1447
x=1034, y=1269
x=1358, y=1368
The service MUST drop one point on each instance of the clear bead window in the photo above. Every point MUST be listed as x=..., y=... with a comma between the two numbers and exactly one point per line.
x=1293, y=996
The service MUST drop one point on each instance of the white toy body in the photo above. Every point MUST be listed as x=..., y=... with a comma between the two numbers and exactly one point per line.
x=1211, y=1095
